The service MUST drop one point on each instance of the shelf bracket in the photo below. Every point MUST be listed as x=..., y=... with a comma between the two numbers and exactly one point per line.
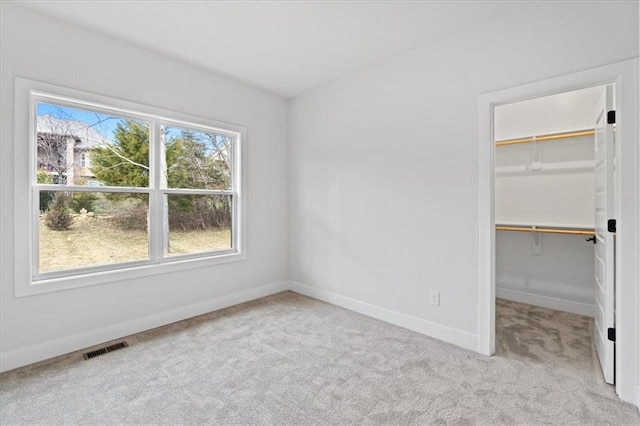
x=536, y=240
x=536, y=164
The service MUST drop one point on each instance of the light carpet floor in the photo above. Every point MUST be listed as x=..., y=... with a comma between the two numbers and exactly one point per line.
x=289, y=359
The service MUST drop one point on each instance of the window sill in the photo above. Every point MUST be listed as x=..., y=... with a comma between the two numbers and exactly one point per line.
x=122, y=274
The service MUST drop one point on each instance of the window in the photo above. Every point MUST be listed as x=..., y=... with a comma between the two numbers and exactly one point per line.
x=121, y=190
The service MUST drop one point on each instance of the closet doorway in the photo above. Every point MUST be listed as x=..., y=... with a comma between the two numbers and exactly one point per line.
x=623, y=78
x=554, y=197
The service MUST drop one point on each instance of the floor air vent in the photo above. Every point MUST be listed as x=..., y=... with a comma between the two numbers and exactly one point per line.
x=102, y=351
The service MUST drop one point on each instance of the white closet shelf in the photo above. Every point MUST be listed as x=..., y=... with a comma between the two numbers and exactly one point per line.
x=584, y=166
x=546, y=224
x=547, y=137
x=547, y=229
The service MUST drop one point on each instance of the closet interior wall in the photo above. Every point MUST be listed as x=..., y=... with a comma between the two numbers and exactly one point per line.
x=547, y=184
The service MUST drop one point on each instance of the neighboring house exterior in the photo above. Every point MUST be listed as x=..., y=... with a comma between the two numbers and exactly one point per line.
x=64, y=149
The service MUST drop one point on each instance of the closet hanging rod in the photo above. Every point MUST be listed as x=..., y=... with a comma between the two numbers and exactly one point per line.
x=550, y=137
x=545, y=230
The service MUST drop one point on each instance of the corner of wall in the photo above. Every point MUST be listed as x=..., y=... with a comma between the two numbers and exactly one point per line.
x=447, y=334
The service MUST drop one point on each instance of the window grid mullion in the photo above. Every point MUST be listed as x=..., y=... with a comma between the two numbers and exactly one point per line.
x=103, y=189
x=156, y=216
x=186, y=191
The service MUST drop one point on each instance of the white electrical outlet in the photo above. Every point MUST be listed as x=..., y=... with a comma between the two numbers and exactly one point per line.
x=434, y=298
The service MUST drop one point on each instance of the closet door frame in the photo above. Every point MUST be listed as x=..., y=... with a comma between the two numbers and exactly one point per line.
x=627, y=298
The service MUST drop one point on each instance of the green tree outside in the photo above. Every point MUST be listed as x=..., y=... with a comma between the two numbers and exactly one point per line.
x=194, y=160
x=126, y=161
x=45, y=196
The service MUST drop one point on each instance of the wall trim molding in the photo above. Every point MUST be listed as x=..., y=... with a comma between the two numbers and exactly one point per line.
x=448, y=334
x=563, y=305
x=10, y=360
x=53, y=348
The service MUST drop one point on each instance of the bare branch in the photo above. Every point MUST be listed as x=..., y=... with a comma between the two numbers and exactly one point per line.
x=112, y=149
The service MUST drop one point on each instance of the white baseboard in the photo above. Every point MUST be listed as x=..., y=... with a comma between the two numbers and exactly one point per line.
x=41, y=351
x=438, y=331
x=547, y=302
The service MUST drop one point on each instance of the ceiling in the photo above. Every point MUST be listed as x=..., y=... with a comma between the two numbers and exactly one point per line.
x=284, y=47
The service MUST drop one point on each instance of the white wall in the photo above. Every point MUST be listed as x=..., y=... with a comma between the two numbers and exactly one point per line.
x=559, y=193
x=36, y=327
x=562, y=112
x=384, y=162
x=560, y=277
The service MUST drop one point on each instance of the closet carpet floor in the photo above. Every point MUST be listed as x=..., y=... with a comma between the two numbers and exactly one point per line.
x=289, y=359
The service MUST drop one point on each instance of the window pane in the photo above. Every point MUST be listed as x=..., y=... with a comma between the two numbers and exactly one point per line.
x=82, y=229
x=199, y=223
x=197, y=160
x=83, y=147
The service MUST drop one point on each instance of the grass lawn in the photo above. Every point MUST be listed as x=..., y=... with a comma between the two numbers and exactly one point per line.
x=197, y=241
x=95, y=241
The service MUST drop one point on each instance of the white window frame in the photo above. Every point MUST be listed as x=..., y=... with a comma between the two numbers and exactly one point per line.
x=27, y=280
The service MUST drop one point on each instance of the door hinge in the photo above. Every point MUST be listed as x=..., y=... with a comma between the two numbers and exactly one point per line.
x=611, y=225
x=611, y=117
x=611, y=334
